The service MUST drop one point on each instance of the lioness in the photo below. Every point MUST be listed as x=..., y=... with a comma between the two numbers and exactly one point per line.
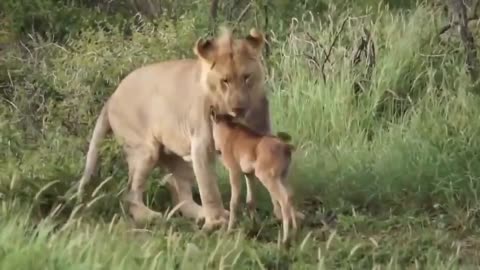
x=243, y=150
x=167, y=105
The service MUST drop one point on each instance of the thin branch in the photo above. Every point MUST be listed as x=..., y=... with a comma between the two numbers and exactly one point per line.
x=311, y=37
x=233, y=7
x=362, y=44
x=329, y=52
x=453, y=24
x=243, y=13
x=313, y=59
x=317, y=43
x=267, y=37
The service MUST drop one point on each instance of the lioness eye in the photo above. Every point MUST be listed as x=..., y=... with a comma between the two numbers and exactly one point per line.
x=225, y=81
x=246, y=77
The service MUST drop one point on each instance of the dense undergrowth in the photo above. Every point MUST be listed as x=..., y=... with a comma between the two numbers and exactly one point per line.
x=401, y=151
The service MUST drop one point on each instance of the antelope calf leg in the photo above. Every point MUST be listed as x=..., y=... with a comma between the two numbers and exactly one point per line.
x=279, y=195
x=235, y=186
x=250, y=200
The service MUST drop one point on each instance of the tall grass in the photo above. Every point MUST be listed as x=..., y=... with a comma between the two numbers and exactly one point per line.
x=26, y=243
x=409, y=137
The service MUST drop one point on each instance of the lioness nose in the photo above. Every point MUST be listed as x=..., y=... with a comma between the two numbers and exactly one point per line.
x=239, y=111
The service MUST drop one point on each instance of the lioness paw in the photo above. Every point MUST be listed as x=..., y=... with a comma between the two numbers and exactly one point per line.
x=300, y=215
x=226, y=214
x=212, y=224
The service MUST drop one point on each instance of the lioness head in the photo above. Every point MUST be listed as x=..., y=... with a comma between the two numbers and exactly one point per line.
x=232, y=71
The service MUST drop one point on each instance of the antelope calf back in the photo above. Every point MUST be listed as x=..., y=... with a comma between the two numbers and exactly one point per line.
x=244, y=151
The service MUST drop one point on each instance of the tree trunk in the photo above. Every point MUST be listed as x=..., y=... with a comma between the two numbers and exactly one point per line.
x=460, y=10
x=213, y=14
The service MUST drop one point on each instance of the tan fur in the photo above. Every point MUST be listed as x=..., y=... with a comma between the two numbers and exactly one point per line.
x=268, y=157
x=166, y=105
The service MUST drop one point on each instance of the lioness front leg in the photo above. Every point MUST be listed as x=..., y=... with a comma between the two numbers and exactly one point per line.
x=203, y=161
x=187, y=158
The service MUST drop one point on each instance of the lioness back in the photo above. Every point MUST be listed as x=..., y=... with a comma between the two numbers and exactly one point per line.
x=173, y=78
x=155, y=102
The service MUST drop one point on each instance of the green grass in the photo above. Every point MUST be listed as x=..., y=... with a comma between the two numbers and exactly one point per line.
x=358, y=242
x=396, y=163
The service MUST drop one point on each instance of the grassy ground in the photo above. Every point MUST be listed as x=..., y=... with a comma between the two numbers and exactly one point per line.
x=395, y=163
x=358, y=242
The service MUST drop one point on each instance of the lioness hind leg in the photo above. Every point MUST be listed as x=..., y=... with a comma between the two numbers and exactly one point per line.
x=141, y=160
x=180, y=185
x=187, y=158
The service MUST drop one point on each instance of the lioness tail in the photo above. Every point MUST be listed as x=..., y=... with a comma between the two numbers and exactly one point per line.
x=102, y=126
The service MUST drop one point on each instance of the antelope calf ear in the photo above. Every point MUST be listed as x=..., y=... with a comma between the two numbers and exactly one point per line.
x=213, y=114
x=284, y=136
x=205, y=49
x=227, y=118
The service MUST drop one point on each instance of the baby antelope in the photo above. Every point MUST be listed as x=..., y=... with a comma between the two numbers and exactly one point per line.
x=268, y=157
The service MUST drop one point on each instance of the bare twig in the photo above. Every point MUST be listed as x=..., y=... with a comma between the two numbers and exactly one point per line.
x=329, y=52
x=243, y=13
x=313, y=59
x=267, y=45
x=317, y=43
x=366, y=47
x=311, y=37
x=362, y=44
x=453, y=24
x=233, y=7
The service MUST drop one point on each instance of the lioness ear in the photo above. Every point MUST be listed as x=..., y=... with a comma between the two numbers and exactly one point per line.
x=205, y=49
x=291, y=147
x=256, y=39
